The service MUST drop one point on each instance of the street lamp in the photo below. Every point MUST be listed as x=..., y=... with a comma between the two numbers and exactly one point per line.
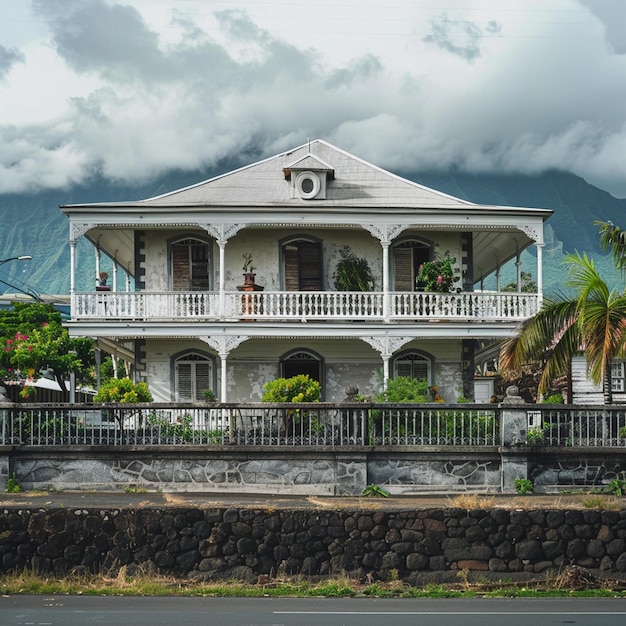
x=25, y=257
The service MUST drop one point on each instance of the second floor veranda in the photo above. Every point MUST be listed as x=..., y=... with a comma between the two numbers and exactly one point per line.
x=304, y=306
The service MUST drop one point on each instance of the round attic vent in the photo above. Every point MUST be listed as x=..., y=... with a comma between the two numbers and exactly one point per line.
x=308, y=185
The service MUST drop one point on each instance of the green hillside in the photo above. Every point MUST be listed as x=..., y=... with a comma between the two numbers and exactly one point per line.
x=33, y=224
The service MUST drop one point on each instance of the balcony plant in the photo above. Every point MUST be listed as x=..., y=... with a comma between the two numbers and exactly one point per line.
x=439, y=275
x=248, y=269
x=352, y=273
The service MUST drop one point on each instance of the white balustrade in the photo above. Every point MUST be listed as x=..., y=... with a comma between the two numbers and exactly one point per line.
x=304, y=306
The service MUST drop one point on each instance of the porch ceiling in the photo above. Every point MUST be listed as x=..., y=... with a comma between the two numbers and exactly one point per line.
x=492, y=249
x=118, y=244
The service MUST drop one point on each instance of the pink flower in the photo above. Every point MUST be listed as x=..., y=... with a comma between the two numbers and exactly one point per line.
x=9, y=341
x=439, y=279
x=30, y=348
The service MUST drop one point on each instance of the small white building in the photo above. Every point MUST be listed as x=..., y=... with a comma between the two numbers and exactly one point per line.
x=193, y=323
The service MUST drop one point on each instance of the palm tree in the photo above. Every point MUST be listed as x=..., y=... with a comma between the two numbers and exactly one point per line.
x=613, y=237
x=593, y=321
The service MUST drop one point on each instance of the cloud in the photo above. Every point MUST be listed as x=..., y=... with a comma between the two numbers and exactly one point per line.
x=461, y=38
x=132, y=89
x=8, y=57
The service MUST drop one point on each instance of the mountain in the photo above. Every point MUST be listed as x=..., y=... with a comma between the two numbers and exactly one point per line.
x=33, y=223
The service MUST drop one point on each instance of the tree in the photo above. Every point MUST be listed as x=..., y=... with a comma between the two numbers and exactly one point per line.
x=34, y=341
x=528, y=284
x=593, y=321
x=613, y=237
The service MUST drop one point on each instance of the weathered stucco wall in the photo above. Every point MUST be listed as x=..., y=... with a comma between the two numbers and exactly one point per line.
x=254, y=362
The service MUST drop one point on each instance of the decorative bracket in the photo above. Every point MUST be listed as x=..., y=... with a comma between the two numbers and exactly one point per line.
x=385, y=232
x=223, y=344
x=78, y=230
x=223, y=231
x=387, y=345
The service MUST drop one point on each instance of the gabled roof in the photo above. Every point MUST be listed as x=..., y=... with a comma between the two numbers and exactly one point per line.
x=356, y=183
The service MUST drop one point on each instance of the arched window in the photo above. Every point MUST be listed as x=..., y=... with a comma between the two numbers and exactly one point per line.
x=302, y=264
x=408, y=255
x=190, y=265
x=299, y=362
x=193, y=375
x=413, y=364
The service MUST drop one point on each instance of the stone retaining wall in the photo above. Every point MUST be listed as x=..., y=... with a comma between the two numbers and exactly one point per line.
x=244, y=544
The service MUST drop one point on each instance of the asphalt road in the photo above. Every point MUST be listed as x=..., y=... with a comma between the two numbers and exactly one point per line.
x=142, y=611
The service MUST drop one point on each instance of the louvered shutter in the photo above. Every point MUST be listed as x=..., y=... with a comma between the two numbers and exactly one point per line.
x=183, y=382
x=310, y=266
x=199, y=267
x=292, y=275
x=202, y=378
x=403, y=263
x=180, y=267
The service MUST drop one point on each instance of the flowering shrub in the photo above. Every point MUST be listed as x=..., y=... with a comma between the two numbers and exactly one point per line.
x=438, y=275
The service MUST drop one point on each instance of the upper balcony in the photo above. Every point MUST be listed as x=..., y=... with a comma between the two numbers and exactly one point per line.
x=304, y=306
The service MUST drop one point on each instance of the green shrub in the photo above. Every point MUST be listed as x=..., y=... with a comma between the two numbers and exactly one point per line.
x=353, y=273
x=404, y=389
x=375, y=491
x=555, y=398
x=617, y=487
x=299, y=388
x=523, y=485
x=13, y=484
x=535, y=436
x=209, y=395
x=123, y=390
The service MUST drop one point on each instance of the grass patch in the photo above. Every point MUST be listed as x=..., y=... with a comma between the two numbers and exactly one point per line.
x=573, y=581
x=472, y=502
x=604, y=502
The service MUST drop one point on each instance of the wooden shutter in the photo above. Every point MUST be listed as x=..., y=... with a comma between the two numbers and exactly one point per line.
x=180, y=267
x=404, y=275
x=310, y=266
x=292, y=275
x=199, y=267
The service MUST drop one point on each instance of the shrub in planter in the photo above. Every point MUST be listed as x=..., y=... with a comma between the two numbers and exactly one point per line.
x=123, y=390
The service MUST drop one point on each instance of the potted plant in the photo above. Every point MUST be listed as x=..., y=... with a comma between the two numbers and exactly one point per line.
x=102, y=280
x=439, y=275
x=248, y=269
x=352, y=273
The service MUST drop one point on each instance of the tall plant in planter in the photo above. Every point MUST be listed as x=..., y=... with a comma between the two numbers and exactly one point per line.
x=352, y=273
x=439, y=275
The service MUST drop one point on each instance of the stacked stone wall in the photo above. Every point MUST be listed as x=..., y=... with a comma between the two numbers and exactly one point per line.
x=247, y=544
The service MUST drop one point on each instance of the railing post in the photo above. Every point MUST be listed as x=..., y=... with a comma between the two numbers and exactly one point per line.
x=4, y=440
x=513, y=450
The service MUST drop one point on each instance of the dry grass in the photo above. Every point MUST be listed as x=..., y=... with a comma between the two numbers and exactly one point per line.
x=472, y=501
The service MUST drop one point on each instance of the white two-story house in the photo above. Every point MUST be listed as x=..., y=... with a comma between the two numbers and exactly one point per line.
x=189, y=320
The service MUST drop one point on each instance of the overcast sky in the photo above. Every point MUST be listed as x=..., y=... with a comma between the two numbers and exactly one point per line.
x=133, y=88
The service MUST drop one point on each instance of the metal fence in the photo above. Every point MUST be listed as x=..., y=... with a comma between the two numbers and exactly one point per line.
x=304, y=425
x=577, y=426
x=260, y=424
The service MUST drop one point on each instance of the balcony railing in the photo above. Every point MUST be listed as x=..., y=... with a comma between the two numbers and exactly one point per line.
x=304, y=306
